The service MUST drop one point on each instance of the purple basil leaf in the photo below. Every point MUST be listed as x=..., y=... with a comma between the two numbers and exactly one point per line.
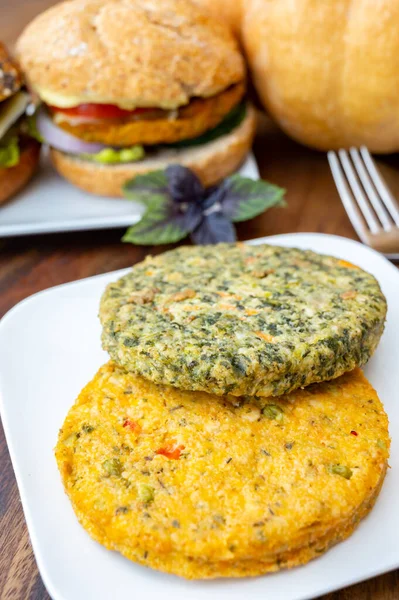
x=211, y=200
x=213, y=229
x=192, y=216
x=183, y=184
x=211, y=189
x=214, y=195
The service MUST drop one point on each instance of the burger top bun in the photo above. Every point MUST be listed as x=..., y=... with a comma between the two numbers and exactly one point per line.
x=229, y=11
x=128, y=52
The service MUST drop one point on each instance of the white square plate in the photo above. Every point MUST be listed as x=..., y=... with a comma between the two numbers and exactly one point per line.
x=50, y=204
x=50, y=348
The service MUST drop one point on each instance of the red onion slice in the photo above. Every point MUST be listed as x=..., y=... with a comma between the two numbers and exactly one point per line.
x=60, y=139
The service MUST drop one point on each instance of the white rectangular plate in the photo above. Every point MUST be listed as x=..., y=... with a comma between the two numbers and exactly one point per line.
x=50, y=348
x=50, y=204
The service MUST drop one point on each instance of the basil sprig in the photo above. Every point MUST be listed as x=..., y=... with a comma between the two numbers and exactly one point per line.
x=177, y=205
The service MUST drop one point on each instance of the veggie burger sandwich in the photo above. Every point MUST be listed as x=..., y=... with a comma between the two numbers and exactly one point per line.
x=130, y=86
x=19, y=153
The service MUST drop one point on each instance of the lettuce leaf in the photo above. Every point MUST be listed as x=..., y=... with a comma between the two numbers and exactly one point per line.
x=9, y=151
x=30, y=128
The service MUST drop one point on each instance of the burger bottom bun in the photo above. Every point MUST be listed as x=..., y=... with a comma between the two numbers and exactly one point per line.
x=211, y=162
x=13, y=179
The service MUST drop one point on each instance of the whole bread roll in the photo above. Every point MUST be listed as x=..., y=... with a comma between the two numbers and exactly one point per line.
x=326, y=71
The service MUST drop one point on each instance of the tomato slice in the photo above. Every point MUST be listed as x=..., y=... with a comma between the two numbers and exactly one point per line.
x=99, y=111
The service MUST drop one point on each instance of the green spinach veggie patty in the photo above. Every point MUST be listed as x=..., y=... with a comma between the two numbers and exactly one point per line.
x=241, y=319
x=207, y=486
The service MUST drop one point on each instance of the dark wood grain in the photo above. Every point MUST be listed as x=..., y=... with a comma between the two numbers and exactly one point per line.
x=31, y=264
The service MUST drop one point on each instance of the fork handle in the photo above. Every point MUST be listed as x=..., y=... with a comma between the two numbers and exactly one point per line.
x=386, y=241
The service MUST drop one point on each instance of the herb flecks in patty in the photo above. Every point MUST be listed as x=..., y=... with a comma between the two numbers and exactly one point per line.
x=242, y=320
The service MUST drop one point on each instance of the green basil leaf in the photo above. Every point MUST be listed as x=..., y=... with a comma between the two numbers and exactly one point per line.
x=162, y=223
x=9, y=152
x=147, y=188
x=242, y=198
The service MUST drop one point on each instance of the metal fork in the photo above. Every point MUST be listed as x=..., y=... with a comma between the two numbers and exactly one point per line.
x=370, y=206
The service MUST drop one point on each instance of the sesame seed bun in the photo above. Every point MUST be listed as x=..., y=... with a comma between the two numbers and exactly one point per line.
x=13, y=179
x=128, y=52
x=212, y=162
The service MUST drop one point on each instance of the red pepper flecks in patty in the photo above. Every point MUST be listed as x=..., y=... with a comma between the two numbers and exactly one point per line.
x=132, y=425
x=182, y=515
x=171, y=450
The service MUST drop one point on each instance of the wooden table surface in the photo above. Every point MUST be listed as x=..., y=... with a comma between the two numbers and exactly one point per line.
x=31, y=264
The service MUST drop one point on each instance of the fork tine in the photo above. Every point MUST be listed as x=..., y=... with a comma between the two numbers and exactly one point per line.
x=358, y=193
x=380, y=185
x=365, y=179
x=346, y=196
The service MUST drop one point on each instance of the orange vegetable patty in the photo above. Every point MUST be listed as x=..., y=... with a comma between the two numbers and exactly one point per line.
x=159, y=127
x=206, y=486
